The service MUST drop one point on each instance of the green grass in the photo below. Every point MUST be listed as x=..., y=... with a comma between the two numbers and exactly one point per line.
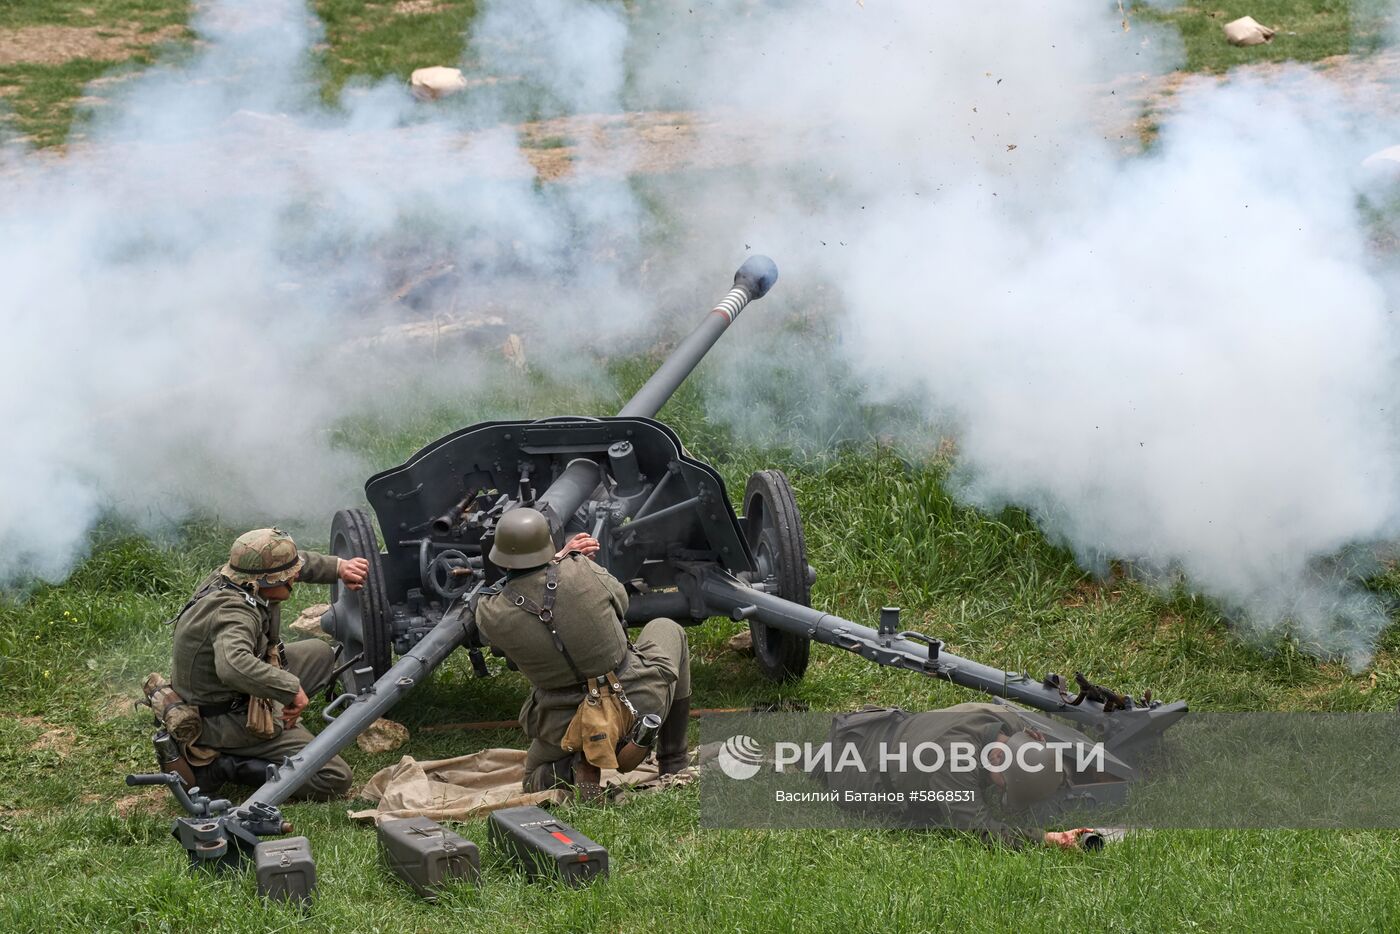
x=368, y=40
x=1308, y=30
x=547, y=142
x=148, y=14
x=78, y=852
x=42, y=98
x=377, y=39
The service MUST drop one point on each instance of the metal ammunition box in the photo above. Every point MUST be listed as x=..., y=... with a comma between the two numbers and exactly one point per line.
x=542, y=844
x=285, y=869
x=427, y=855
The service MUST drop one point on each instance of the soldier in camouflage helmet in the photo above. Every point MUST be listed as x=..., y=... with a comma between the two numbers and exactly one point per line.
x=228, y=654
x=587, y=612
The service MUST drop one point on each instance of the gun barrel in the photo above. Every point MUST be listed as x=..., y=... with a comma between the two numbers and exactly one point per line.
x=563, y=498
x=407, y=673
x=752, y=281
x=445, y=523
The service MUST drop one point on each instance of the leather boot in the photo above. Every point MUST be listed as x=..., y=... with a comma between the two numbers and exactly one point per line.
x=210, y=778
x=672, y=754
x=240, y=770
x=556, y=774
x=248, y=771
x=588, y=780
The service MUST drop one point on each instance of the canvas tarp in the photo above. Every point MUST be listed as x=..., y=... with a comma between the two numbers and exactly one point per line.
x=472, y=785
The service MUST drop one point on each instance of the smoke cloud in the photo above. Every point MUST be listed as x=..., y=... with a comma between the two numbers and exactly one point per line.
x=1184, y=357
x=193, y=290
x=1180, y=355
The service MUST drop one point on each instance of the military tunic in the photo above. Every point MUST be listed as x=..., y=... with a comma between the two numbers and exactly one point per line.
x=589, y=611
x=221, y=642
x=975, y=723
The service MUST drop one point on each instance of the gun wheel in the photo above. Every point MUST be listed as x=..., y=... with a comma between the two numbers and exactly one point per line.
x=774, y=531
x=359, y=620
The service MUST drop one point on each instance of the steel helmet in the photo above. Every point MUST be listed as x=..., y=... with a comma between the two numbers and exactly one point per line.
x=522, y=540
x=267, y=556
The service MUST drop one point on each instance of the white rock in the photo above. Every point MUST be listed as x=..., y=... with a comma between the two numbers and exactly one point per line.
x=429, y=84
x=1246, y=31
x=308, y=622
x=741, y=642
x=382, y=736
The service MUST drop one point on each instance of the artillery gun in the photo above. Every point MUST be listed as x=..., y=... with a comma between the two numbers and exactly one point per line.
x=667, y=529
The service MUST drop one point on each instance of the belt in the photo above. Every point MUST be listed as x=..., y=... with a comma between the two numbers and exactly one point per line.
x=236, y=705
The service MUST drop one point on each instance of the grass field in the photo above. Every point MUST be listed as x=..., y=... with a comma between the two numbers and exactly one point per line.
x=43, y=86
x=79, y=851
x=1306, y=30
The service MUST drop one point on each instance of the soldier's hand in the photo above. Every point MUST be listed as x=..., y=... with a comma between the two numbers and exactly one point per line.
x=1066, y=839
x=354, y=571
x=292, y=711
x=583, y=543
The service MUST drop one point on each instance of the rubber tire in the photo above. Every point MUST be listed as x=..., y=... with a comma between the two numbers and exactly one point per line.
x=352, y=536
x=774, y=529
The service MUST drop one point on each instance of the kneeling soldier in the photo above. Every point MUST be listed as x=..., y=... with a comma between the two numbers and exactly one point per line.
x=560, y=619
x=230, y=662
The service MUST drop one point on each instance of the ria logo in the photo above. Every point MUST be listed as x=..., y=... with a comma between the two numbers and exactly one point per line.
x=739, y=757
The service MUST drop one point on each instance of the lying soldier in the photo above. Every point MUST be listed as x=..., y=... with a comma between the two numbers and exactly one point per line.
x=1011, y=771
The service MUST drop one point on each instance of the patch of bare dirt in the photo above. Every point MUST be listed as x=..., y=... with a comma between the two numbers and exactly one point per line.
x=118, y=706
x=1369, y=77
x=54, y=45
x=417, y=7
x=150, y=801
x=659, y=142
x=650, y=142
x=55, y=739
x=1092, y=592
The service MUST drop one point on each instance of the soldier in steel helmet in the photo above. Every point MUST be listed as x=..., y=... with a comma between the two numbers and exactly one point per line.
x=559, y=617
x=1013, y=770
x=230, y=661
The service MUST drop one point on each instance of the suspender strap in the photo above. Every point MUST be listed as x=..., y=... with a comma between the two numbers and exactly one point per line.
x=546, y=613
x=199, y=595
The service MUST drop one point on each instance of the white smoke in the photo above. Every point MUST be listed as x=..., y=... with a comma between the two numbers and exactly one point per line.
x=183, y=286
x=1183, y=357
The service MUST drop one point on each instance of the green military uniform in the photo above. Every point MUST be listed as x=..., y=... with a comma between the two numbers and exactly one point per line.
x=589, y=608
x=975, y=723
x=221, y=642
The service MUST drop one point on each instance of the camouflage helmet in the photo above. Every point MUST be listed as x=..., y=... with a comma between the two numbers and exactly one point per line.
x=1031, y=775
x=522, y=540
x=266, y=556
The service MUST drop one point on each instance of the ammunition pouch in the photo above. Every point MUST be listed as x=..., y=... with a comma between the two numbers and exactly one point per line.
x=261, y=722
x=262, y=718
x=182, y=721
